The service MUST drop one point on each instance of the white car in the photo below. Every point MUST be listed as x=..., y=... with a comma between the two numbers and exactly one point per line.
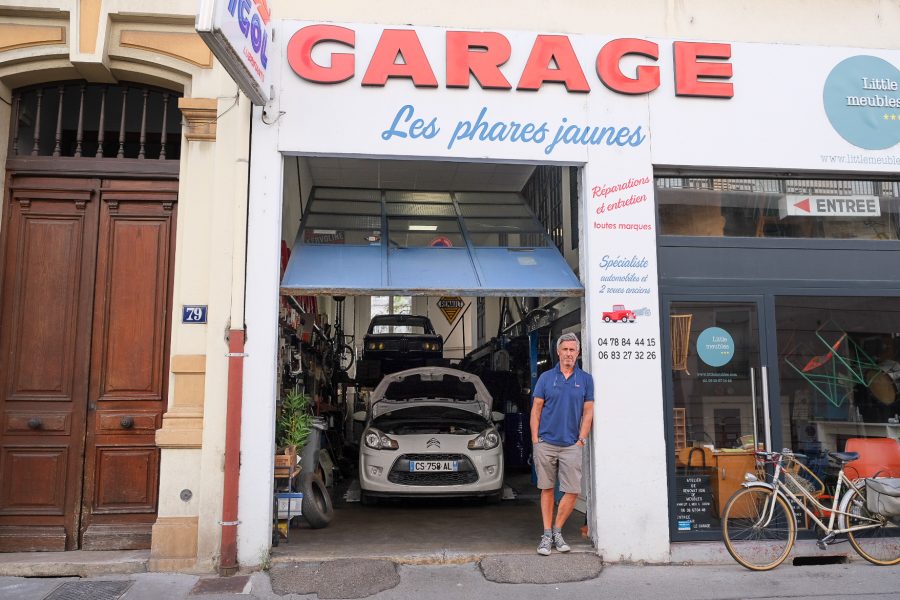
x=430, y=432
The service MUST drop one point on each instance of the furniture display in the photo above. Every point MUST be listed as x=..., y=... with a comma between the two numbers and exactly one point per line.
x=729, y=467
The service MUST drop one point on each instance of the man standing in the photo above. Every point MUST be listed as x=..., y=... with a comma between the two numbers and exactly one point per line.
x=561, y=415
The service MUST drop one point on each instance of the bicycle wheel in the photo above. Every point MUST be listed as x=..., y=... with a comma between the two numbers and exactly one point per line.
x=879, y=545
x=757, y=534
x=345, y=357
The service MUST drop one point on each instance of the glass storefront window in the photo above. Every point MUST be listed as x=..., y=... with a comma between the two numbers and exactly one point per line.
x=779, y=208
x=839, y=374
x=833, y=386
x=715, y=364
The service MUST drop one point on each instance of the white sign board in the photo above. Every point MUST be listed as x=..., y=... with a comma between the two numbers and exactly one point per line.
x=793, y=205
x=239, y=33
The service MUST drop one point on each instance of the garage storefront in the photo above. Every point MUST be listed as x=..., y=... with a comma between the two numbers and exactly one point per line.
x=587, y=107
x=394, y=278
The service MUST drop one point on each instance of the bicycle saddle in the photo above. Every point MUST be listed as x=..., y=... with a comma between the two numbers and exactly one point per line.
x=844, y=457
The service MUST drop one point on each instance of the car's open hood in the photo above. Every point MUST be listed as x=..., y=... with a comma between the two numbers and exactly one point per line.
x=433, y=386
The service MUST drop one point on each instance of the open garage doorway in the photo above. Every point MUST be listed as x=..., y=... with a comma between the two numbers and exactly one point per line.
x=465, y=273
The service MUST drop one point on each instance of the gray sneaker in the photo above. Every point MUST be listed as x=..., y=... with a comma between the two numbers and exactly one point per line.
x=544, y=547
x=559, y=542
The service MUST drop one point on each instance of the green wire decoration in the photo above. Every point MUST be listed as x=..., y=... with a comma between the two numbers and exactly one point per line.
x=843, y=366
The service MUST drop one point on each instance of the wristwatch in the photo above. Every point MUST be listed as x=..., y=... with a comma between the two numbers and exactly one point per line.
x=582, y=440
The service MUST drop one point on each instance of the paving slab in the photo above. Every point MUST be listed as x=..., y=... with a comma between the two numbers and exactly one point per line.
x=533, y=568
x=335, y=578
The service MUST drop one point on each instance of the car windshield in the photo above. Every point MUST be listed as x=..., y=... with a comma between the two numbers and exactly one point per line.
x=415, y=387
x=413, y=329
x=385, y=324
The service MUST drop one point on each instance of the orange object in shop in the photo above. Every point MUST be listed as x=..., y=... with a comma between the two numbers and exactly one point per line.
x=878, y=457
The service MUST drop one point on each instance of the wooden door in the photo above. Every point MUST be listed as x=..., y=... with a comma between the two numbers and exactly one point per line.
x=49, y=242
x=84, y=337
x=129, y=363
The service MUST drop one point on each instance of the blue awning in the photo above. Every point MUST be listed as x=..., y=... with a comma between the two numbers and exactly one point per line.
x=374, y=242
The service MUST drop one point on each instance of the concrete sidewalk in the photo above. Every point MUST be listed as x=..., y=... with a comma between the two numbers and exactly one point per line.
x=387, y=580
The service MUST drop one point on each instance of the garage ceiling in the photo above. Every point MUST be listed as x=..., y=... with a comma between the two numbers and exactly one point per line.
x=418, y=174
x=374, y=241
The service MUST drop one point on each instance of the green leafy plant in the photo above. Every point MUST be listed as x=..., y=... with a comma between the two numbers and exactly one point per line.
x=295, y=420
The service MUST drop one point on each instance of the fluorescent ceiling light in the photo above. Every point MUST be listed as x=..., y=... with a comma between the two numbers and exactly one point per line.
x=423, y=227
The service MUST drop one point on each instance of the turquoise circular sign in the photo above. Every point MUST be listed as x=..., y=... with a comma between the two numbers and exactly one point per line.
x=715, y=346
x=862, y=101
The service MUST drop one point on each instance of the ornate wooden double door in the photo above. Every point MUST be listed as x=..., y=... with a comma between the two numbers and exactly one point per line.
x=85, y=301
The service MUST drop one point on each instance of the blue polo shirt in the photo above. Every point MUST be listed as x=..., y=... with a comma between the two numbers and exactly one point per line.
x=563, y=404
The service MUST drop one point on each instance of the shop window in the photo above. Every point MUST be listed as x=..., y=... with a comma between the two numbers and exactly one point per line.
x=779, y=208
x=839, y=373
x=834, y=385
x=714, y=361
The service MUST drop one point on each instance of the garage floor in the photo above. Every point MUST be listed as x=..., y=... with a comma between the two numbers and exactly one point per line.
x=430, y=530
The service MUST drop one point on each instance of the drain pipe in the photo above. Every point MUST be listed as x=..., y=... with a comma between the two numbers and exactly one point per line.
x=228, y=564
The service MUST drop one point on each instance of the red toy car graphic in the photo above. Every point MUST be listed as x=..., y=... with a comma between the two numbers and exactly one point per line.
x=619, y=313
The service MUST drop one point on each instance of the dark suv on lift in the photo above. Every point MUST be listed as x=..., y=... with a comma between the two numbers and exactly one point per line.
x=398, y=342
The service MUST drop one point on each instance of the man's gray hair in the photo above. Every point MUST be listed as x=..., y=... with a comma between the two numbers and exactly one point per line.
x=568, y=337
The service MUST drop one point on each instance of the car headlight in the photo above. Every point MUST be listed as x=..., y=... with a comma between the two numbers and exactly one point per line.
x=376, y=440
x=486, y=440
x=370, y=346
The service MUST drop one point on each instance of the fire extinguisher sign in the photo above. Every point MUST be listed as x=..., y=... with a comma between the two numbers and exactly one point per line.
x=193, y=313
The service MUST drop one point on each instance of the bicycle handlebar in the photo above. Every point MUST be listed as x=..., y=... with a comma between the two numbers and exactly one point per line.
x=777, y=456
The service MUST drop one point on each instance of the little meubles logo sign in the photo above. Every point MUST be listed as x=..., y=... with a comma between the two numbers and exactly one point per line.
x=862, y=101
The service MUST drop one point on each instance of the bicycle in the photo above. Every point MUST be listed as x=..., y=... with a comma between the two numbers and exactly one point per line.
x=759, y=528
x=339, y=354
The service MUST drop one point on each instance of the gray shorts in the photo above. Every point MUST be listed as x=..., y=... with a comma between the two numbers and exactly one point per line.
x=562, y=462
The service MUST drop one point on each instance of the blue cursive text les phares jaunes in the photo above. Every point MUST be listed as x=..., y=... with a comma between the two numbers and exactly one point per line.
x=484, y=129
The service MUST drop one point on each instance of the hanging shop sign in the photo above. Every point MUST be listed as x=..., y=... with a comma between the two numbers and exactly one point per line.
x=793, y=205
x=450, y=307
x=239, y=33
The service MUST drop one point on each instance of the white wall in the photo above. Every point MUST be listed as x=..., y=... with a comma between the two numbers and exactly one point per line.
x=863, y=24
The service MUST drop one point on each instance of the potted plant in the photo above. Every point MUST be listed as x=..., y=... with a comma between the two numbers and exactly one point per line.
x=292, y=431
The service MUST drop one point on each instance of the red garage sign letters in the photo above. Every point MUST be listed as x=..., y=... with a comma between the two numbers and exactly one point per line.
x=701, y=69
